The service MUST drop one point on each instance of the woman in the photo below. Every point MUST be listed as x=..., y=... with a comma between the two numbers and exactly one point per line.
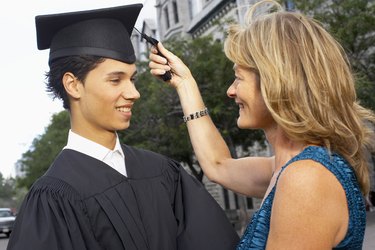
x=294, y=82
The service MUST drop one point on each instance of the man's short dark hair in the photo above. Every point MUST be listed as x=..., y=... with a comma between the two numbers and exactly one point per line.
x=79, y=66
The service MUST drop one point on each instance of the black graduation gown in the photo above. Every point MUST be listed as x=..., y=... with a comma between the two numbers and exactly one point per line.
x=82, y=203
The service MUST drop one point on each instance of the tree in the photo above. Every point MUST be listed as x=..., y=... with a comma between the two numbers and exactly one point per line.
x=6, y=187
x=8, y=192
x=352, y=22
x=44, y=149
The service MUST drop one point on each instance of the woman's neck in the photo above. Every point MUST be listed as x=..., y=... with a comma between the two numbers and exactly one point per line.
x=283, y=147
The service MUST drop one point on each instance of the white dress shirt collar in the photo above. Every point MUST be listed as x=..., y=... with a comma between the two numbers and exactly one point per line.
x=114, y=158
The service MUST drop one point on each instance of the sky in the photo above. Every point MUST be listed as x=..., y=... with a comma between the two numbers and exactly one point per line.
x=25, y=107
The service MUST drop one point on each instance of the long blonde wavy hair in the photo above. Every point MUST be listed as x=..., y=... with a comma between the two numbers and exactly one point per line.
x=306, y=82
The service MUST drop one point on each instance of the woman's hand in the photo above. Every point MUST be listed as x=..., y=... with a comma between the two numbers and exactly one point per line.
x=159, y=65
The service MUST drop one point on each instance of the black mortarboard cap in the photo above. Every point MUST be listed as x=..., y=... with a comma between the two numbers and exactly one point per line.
x=102, y=32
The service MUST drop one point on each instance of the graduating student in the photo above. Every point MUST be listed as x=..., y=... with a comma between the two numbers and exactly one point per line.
x=99, y=193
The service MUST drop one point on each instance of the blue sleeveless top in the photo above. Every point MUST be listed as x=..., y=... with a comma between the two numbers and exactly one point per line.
x=256, y=234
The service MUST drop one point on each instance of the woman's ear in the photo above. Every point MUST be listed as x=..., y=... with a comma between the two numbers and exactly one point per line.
x=71, y=85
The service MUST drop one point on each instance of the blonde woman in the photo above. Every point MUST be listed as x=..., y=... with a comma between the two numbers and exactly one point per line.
x=293, y=81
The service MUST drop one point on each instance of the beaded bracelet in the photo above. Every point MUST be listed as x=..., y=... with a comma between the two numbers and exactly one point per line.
x=196, y=115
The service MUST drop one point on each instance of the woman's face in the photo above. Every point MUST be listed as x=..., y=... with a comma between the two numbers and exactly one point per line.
x=107, y=97
x=245, y=90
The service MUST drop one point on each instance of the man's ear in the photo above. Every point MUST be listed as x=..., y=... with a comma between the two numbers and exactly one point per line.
x=71, y=85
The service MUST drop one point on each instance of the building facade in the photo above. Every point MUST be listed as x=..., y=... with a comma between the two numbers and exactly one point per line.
x=195, y=18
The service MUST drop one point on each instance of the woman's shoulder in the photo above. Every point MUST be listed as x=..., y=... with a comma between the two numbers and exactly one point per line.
x=307, y=193
x=310, y=171
x=309, y=176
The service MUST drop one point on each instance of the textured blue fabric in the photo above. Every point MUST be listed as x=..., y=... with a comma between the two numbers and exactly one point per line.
x=256, y=234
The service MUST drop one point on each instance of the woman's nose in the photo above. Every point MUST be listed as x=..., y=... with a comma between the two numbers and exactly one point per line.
x=231, y=91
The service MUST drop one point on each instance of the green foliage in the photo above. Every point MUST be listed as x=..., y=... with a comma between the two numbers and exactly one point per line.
x=365, y=91
x=10, y=196
x=18, y=198
x=352, y=22
x=6, y=187
x=44, y=149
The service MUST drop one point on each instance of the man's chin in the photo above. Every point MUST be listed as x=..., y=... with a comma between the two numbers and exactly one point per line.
x=124, y=126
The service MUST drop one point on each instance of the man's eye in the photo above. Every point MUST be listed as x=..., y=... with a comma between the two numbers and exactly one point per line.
x=116, y=80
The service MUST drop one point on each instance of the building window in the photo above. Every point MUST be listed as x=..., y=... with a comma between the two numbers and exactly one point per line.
x=226, y=199
x=190, y=9
x=249, y=203
x=175, y=12
x=236, y=201
x=167, y=23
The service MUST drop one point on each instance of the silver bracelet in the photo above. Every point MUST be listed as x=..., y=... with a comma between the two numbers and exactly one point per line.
x=196, y=115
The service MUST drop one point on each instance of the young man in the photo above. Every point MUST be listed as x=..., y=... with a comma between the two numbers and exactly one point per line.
x=98, y=193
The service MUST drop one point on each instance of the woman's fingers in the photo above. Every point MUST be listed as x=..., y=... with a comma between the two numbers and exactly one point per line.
x=158, y=59
x=157, y=72
x=169, y=55
x=154, y=50
x=157, y=65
